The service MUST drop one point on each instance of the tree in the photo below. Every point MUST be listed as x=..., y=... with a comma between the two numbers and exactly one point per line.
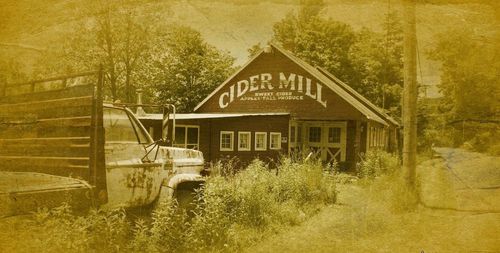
x=470, y=88
x=377, y=60
x=171, y=63
x=188, y=69
x=369, y=62
x=11, y=71
x=252, y=51
x=320, y=42
x=116, y=37
x=469, y=74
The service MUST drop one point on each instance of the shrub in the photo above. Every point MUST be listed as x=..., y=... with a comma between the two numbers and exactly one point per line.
x=376, y=163
x=98, y=231
x=231, y=212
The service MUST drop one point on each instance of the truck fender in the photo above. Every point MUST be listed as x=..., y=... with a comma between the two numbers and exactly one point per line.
x=170, y=186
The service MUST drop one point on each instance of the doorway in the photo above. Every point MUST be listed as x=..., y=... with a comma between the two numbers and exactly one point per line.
x=322, y=140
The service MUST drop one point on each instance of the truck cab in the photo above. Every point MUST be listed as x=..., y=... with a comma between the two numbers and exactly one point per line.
x=136, y=175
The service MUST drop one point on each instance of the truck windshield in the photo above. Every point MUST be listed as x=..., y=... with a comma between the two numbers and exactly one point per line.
x=119, y=127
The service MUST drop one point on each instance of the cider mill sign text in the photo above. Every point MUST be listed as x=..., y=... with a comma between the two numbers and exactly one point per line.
x=266, y=87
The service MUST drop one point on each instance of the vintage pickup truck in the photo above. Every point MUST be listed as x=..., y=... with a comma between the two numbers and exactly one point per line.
x=60, y=143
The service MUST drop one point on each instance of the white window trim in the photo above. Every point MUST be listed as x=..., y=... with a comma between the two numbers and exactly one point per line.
x=232, y=141
x=265, y=141
x=271, y=138
x=249, y=141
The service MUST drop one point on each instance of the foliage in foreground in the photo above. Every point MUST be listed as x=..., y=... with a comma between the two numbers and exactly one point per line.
x=232, y=212
x=382, y=174
x=376, y=163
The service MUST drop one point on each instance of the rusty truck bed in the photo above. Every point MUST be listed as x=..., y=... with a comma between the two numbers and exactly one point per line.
x=25, y=192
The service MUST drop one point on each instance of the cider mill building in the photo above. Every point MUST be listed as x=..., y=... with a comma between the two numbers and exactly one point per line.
x=278, y=104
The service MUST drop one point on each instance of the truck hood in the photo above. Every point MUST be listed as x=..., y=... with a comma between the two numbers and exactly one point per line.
x=182, y=160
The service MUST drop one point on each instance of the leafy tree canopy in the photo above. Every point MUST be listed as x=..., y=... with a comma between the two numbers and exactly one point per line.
x=188, y=69
x=469, y=74
x=369, y=62
x=171, y=63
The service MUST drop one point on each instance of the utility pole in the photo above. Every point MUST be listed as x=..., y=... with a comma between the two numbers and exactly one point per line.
x=410, y=95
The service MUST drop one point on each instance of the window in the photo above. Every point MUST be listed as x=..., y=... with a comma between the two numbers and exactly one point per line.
x=275, y=141
x=314, y=134
x=299, y=134
x=192, y=137
x=334, y=135
x=260, y=141
x=180, y=136
x=244, y=141
x=226, y=140
x=186, y=137
x=292, y=134
x=384, y=138
x=118, y=127
x=380, y=137
x=372, y=136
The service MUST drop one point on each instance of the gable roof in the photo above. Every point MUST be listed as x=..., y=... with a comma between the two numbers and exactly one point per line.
x=354, y=93
x=229, y=79
x=351, y=97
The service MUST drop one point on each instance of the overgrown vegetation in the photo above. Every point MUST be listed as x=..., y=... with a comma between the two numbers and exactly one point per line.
x=390, y=187
x=467, y=114
x=233, y=212
x=376, y=163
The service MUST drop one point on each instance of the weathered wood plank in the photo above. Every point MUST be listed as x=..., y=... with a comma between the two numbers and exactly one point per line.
x=52, y=104
x=25, y=192
x=77, y=167
x=50, y=160
x=55, y=141
x=68, y=121
x=80, y=172
x=35, y=131
x=76, y=150
x=51, y=127
x=74, y=91
x=43, y=113
x=11, y=182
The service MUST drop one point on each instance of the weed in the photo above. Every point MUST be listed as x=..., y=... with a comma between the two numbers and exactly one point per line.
x=376, y=163
x=232, y=211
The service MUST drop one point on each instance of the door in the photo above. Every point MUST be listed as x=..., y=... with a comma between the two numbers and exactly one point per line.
x=132, y=179
x=327, y=140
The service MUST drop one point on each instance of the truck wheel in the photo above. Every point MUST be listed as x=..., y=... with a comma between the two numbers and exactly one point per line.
x=185, y=194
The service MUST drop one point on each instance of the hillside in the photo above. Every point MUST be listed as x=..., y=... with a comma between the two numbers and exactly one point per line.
x=27, y=26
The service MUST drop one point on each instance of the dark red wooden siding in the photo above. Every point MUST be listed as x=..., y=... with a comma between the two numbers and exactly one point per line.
x=274, y=63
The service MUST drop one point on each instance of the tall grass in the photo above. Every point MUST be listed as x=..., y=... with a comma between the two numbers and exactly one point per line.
x=382, y=173
x=376, y=163
x=231, y=212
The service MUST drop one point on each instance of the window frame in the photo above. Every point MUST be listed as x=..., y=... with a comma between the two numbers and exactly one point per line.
x=231, y=133
x=335, y=141
x=249, y=134
x=185, y=144
x=271, y=140
x=265, y=141
x=309, y=134
x=293, y=134
x=135, y=125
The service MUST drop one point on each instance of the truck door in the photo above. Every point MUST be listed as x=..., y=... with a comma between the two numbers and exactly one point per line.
x=131, y=180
